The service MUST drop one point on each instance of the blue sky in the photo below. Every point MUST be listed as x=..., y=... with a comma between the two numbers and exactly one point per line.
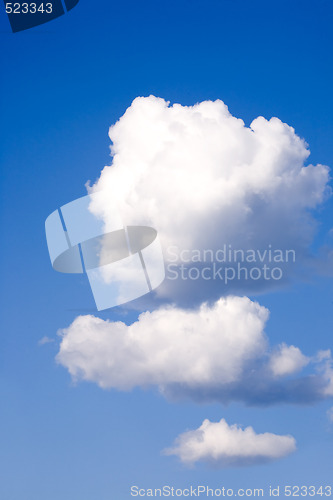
x=63, y=84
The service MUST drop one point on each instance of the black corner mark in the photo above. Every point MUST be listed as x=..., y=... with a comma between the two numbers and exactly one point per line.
x=27, y=14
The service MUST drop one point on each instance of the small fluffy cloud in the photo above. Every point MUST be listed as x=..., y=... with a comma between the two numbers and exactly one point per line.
x=287, y=360
x=222, y=445
x=203, y=179
x=217, y=352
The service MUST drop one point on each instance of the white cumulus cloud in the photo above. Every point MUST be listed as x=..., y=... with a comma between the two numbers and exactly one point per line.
x=223, y=445
x=166, y=346
x=216, y=352
x=203, y=179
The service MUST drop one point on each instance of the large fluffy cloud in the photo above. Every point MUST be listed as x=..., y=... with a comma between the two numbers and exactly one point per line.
x=222, y=445
x=203, y=179
x=217, y=352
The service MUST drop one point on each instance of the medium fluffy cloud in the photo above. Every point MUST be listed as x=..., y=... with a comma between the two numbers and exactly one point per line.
x=203, y=179
x=217, y=352
x=222, y=445
x=167, y=346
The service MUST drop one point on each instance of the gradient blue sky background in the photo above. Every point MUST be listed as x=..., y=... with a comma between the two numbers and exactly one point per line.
x=62, y=85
